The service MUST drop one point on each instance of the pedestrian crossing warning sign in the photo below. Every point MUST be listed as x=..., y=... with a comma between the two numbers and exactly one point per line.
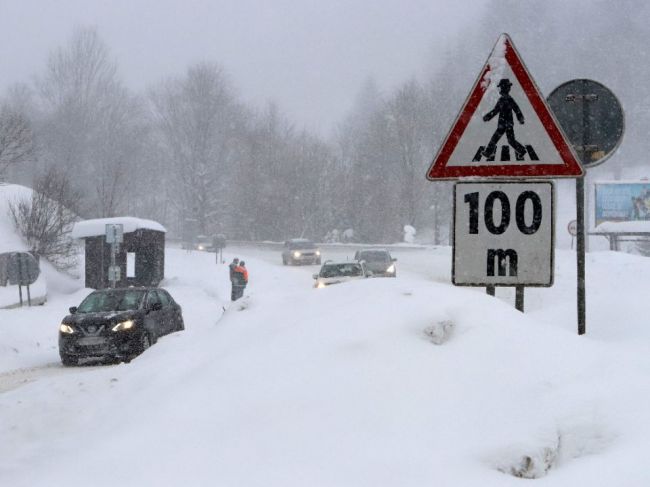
x=505, y=128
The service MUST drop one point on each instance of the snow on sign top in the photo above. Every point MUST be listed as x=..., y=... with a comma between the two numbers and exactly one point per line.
x=505, y=128
x=93, y=228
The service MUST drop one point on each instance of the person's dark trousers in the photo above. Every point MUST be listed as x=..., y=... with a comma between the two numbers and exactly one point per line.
x=233, y=291
x=237, y=292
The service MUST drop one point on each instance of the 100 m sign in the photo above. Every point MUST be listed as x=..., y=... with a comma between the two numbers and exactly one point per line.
x=503, y=233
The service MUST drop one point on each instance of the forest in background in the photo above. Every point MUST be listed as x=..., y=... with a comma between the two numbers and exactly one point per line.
x=189, y=150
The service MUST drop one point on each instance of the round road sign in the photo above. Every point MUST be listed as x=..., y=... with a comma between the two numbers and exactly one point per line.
x=572, y=227
x=591, y=117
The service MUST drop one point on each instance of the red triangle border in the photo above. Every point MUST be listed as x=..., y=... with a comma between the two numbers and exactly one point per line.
x=571, y=167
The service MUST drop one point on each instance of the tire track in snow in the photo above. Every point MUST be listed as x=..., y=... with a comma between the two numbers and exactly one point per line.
x=13, y=379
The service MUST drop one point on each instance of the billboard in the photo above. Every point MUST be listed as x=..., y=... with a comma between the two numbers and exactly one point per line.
x=622, y=201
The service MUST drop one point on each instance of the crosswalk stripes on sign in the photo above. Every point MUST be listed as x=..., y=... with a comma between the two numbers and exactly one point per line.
x=505, y=154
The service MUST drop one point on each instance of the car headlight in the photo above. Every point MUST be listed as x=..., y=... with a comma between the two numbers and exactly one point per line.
x=124, y=325
x=391, y=269
x=63, y=328
x=318, y=252
x=201, y=247
x=297, y=254
x=320, y=285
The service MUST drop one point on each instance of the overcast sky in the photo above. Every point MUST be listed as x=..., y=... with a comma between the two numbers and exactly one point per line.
x=309, y=56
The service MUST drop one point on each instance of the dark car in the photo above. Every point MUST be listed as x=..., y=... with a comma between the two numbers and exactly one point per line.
x=300, y=251
x=117, y=324
x=379, y=261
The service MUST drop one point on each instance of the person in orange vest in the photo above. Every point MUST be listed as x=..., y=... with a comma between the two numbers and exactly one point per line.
x=240, y=281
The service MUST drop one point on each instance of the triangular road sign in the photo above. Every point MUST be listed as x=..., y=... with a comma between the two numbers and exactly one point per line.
x=505, y=128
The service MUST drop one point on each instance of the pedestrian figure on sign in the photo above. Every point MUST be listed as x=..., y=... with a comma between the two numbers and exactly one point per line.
x=231, y=267
x=240, y=281
x=504, y=108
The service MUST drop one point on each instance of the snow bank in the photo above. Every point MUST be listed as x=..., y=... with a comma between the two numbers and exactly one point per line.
x=95, y=227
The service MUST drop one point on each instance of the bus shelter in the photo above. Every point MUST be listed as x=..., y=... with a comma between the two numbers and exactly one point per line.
x=141, y=256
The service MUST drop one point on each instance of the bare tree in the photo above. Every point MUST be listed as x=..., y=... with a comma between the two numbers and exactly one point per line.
x=92, y=126
x=16, y=139
x=197, y=121
x=45, y=220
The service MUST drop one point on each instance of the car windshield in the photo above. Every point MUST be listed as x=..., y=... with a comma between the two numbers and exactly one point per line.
x=341, y=270
x=120, y=300
x=305, y=244
x=374, y=256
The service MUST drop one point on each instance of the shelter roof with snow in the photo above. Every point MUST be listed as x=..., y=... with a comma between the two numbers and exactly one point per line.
x=96, y=227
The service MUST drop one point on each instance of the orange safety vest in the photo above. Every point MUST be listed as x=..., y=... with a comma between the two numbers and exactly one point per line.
x=243, y=271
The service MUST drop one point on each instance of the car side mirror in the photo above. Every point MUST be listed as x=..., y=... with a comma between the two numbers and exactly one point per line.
x=315, y=276
x=156, y=306
x=72, y=309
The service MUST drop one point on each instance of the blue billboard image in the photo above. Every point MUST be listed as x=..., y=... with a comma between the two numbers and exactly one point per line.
x=622, y=201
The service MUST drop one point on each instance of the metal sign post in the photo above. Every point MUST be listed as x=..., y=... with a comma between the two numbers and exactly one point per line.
x=114, y=237
x=593, y=120
x=580, y=251
x=23, y=272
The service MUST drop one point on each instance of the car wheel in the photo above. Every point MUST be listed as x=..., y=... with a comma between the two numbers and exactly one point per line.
x=69, y=361
x=145, y=343
x=180, y=324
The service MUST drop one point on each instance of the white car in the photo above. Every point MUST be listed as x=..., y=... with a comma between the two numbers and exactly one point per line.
x=335, y=272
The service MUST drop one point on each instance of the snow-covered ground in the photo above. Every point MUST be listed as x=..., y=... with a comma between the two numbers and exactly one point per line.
x=378, y=382
x=343, y=385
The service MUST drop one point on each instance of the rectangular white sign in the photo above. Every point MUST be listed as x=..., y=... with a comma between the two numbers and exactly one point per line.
x=114, y=233
x=504, y=233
